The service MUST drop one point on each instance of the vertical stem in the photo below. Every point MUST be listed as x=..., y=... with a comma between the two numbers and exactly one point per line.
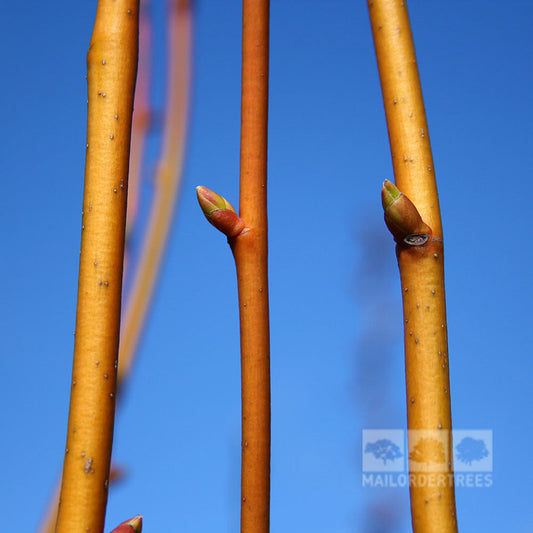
x=421, y=269
x=111, y=71
x=412, y=159
x=250, y=249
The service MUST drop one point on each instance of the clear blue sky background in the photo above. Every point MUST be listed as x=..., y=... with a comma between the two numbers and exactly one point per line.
x=337, y=355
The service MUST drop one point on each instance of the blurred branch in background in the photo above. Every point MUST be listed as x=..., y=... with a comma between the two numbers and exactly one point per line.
x=376, y=297
x=142, y=123
x=167, y=181
x=375, y=284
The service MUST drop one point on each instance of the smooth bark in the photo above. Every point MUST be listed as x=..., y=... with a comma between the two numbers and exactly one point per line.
x=421, y=272
x=111, y=72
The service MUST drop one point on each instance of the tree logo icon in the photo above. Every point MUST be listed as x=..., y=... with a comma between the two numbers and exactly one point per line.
x=470, y=450
x=384, y=449
x=429, y=450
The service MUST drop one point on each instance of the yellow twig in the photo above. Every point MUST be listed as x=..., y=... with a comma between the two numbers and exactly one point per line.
x=421, y=262
x=48, y=524
x=111, y=71
x=180, y=37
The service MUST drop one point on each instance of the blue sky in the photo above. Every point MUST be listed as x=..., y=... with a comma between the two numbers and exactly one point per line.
x=337, y=359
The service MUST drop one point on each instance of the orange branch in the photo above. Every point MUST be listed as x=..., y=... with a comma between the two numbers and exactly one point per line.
x=111, y=71
x=248, y=238
x=250, y=249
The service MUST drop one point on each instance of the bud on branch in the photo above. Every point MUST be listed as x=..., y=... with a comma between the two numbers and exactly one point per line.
x=220, y=212
x=402, y=217
x=133, y=525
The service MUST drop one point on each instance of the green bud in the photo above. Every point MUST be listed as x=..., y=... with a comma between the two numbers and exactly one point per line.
x=389, y=194
x=219, y=212
x=211, y=201
x=402, y=217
